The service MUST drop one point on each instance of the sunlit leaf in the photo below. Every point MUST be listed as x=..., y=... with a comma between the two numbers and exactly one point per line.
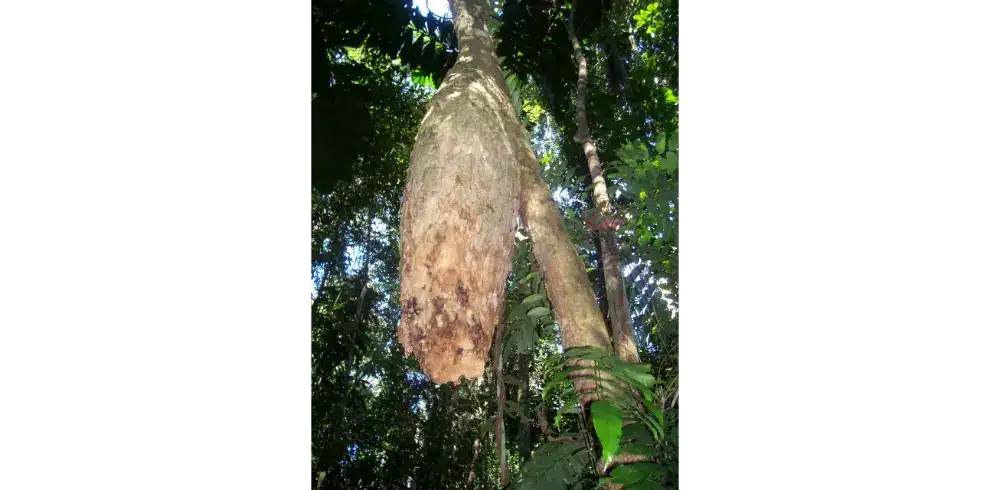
x=607, y=420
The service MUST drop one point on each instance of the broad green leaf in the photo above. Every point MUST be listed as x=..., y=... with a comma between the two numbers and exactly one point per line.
x=607, y=420
x=661, y=141
x=559, y=378
x=668, y=161
x=637, y=432
x=638, y=473
x=659, y=415
x=641, y=449
x=517, y=312
x=631, y=153
x=533, y=298
x=538, y=311
x=524, y=336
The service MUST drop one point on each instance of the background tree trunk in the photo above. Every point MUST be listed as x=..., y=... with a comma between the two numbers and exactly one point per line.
x=525, y=437
x=503, y=473
x=623, y=340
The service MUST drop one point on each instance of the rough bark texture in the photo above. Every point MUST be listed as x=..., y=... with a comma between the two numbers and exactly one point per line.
x=618, y=303
x=459, y=210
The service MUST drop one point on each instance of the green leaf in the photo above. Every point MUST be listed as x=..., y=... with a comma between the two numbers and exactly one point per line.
x=559, y=378
x=608, y=425
x=638, y=433
x=628, y=474
x=538, y=312
x=641, y=449
x=632, y=153
x=530, y=276
x=533, y=298
x=587, y=353
x=643, y=485
x=668, y=161
x=512, y=406
x=524, y=336
x=659, y=415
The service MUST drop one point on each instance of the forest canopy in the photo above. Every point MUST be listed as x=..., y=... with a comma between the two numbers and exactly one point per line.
x=590, y=89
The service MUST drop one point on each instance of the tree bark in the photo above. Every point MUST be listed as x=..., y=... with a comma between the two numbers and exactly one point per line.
x=459, y=209
x=618, y=303
x=503, y=472
x=623, y=341
x=472, y=170
x=524, y=438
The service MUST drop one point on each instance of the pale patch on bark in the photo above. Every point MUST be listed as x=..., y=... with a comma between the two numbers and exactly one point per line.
x=459, y=210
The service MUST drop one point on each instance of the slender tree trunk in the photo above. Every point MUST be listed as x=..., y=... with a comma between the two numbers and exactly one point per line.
x=618, y=304
x=615, y=291
x=599, y=273
x=500, y=410
x=524, y=438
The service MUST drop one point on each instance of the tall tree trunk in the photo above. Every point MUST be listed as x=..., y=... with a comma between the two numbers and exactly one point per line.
x=599, y=272
x=503, y=466
x=524, y=438
x=472, y=169
x=459, y=209
x=618, y=304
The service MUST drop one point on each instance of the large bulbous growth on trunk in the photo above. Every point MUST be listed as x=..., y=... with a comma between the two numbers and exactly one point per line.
x=459, y=210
